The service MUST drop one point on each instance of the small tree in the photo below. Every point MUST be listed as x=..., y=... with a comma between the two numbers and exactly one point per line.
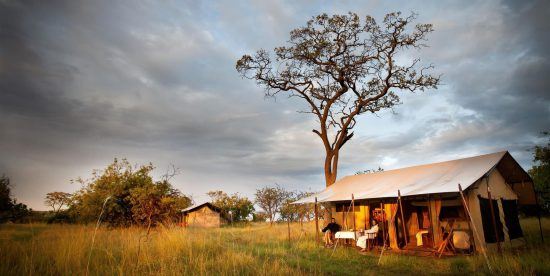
x=270, y=199
x=240, y=207
x=134, y=197
x=6, y=202
x=155, y=203
x=540, y=172
x=10, y=210
x=297, y=212
x=342, y=67
x=369, y=171
x=56, y=200
x=259, y=216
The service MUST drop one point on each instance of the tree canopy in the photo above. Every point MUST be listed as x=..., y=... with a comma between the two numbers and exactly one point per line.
x=234, y=207
x=130, y=196
x=271, y=199
x=540, y=172
x=296, y=212
x=56, y=200
x=10, y=209
x=342, y=67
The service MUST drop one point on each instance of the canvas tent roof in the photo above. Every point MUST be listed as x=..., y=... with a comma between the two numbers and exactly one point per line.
x=435, y=178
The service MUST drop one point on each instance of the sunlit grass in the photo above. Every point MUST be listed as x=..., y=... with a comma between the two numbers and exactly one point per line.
x=245, y=250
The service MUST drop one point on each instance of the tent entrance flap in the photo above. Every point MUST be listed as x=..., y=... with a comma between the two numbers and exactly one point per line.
x=486, y=219
x=511, y=219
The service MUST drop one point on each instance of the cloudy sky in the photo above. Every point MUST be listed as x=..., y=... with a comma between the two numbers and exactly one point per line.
x=82, y=82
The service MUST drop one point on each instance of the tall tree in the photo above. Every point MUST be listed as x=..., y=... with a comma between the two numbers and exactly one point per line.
x=56, y=200
x=343, y=67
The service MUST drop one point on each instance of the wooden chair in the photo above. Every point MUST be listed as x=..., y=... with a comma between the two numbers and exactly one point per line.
x=447, y=243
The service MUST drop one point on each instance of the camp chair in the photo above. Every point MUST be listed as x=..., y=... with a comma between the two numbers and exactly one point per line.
x=369, y=237
x=447, y=242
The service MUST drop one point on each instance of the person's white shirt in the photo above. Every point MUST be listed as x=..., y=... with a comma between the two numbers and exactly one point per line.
x=372, y=230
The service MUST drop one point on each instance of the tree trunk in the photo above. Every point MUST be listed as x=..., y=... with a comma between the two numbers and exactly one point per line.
x=331, y=167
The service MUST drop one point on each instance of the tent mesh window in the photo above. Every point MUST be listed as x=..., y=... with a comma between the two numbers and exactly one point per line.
x=341, y=207
x=510, y=209
x=451, y=212
x=488, y=231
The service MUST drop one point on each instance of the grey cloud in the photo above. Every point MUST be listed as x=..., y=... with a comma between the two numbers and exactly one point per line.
x=82, y=82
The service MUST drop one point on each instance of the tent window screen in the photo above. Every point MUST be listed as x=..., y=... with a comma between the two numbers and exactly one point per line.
x=451, y=212
x=488, y=230
x=345, y=207
x=510, y=209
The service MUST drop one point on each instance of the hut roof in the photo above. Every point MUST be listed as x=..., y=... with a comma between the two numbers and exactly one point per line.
x=198, y=206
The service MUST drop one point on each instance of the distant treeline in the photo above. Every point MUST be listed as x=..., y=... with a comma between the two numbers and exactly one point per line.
x=124, y=195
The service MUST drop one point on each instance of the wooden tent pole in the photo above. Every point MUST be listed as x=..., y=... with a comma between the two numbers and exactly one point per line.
x=470, y=223
x=316, y=222
x=367, y=215
x=400, y=201
x=383, y=225
x=353, y=210
x=473, y=226
x=344, y=222
x=538, y=210
x=288, y=225
x=383, y=232
x=493, y=215
x=430, y=220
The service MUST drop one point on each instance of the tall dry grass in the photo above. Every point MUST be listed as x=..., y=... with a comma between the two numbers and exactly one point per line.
x=256, y=249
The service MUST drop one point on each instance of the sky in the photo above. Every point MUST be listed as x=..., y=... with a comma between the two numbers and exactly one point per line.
x=83, y=82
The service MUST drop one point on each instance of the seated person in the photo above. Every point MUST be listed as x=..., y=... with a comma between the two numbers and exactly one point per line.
x=329, y=231
x=369, y=234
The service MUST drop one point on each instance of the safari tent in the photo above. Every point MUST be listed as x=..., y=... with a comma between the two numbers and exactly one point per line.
x=476, y=199
x=202, y=215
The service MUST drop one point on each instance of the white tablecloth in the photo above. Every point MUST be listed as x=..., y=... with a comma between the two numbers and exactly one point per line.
x=345, y=235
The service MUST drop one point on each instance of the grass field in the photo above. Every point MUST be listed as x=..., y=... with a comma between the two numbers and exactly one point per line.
x=247, y=250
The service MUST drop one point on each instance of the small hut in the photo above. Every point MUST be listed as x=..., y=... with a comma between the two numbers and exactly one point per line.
x=420, y=206
x=203, y=215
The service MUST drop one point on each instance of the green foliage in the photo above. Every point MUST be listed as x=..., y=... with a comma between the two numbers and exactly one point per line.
x=156, y=202
x=370, y=171
x=56, y=200
x=10, y=210
x=271, y=199
x=540, y=172
x=259, y=216
x=234, y=207
x=130, y=196
x=296, y=212
x=6, y=203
